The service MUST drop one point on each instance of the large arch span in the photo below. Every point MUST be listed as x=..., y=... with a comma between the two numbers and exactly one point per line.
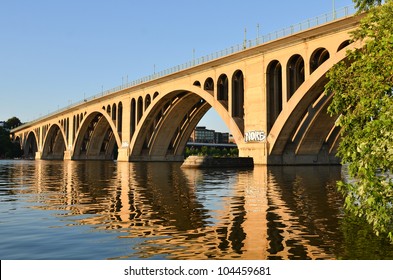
x=54, y=143
x=164, y=129
x=97, y=138
x=304, y=131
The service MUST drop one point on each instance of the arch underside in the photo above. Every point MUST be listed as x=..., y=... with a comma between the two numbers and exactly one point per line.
x=55, y=145
x=30, y=146
x=166, y=129
x=96, y=139
x=305, y=133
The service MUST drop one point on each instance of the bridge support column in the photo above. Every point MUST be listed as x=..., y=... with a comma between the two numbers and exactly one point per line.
x=124, y=154
x=258, y=151
x=38, y=155
x=67, y=155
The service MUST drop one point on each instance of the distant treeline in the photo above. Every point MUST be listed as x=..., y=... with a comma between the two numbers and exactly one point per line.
x=211, y=151
x=9, y=149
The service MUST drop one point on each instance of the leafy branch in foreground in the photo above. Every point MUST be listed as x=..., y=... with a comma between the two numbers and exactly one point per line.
x=363, y=97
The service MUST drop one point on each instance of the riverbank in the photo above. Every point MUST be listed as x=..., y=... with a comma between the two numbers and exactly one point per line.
x=217, y=162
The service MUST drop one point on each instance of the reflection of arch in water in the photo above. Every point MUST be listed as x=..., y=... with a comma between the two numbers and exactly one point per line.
x=171, y=215
x=294, y=215
x=195, y=214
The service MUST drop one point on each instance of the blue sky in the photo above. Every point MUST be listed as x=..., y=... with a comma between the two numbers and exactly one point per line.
x=56, y=52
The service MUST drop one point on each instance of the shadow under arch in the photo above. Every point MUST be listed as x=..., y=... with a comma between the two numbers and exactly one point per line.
x=97, y=138
x=54, y=143
x=30, y=146
x=166, y=126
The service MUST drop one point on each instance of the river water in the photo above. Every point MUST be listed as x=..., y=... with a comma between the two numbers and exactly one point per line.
x=118, y=210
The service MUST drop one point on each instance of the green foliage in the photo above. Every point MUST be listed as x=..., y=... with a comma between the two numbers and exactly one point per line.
x=7, y=148
x=12, y=123
x=363, y=98
x=360, y=242
x=364, y=5
x=211, y=151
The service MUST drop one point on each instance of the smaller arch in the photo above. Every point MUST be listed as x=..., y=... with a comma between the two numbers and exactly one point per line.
x=238, y=94
x=155, y=95
x=295, y=74
x=67, y=128
x=222, y=90
x=132, y=117
x=139, y=108
x=318, y=57
x=114, y=113
x=74, y=126
x=274, y=92
x=108, y=110
x=197, y=84
x=120, y=118
x=343, y=45
x=209, y=85
x=147, y=101
x=77, y=121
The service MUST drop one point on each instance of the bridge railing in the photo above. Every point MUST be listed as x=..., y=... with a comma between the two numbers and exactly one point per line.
x=310, y=23
x=307, y=24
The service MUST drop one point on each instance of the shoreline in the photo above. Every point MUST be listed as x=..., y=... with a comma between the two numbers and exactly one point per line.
x=217, y=162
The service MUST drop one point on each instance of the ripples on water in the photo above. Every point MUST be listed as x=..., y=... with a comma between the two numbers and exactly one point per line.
x=109, y=210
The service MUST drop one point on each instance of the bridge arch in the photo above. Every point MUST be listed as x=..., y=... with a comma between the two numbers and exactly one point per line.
x=343, y=45
x=139, y=108
x=97, y=138
x=54, y=144
x=30, y=147
x=209, y=85
x=274, y=92
x=238, y=94
x=147, y=101
x=132, y=117
x=119, y=122
x=114, y=112
x=300, y=123
x=318, y=57
x=223, y=90
x=165, y=128
x=295, y=74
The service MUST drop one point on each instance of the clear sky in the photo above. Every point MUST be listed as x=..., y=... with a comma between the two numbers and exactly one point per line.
x=56, y=52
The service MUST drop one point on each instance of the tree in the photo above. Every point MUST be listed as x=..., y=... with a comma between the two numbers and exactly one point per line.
x=364, y=5
x=363, y=98
x=12, y=122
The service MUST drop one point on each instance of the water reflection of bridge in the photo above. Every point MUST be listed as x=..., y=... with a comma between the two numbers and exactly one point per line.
x=266, y=213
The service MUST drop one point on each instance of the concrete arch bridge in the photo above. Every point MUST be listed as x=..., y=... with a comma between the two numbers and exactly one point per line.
x=271, y=97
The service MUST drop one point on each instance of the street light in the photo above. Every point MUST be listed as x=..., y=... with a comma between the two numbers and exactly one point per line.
x=334, y=10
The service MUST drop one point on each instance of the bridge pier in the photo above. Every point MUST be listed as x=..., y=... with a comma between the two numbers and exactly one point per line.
x=124, y=154
x=257, y=151
x=67, y=155
x=38, y=155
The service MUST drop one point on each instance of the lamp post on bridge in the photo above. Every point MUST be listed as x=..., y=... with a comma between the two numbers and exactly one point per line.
x=334, y=10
